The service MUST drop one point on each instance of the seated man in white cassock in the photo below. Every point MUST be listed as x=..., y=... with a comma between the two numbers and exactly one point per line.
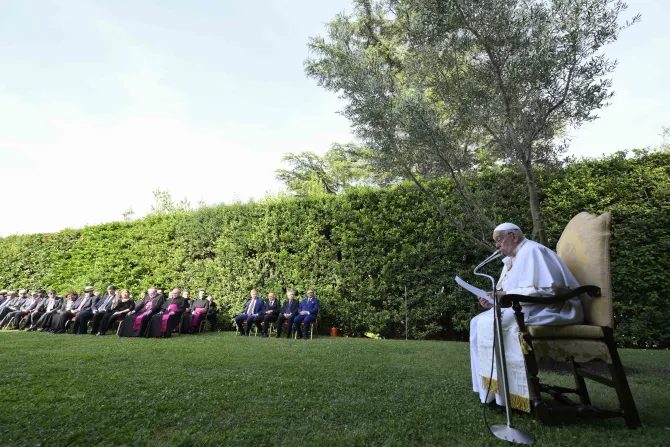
x=529, y=269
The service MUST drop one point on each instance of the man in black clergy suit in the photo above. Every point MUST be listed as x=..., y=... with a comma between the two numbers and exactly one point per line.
x=288, y=312
x=269, y=313
x=99, y=310
x=83, y=311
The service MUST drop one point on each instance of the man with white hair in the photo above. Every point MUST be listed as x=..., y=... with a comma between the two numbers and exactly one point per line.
x=529, y=269
x=13, y=303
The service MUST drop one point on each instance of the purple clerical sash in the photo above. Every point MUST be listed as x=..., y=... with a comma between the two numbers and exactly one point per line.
x=196, y=316
x=138, y=321
x=166, y=316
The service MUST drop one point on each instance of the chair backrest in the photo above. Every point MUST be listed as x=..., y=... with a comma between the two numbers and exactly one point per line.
x=584, y=246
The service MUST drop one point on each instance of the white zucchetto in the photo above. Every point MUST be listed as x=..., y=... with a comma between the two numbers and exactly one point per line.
x=506, y=226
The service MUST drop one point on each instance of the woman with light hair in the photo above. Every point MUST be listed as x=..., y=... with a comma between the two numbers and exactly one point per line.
x=121, y=305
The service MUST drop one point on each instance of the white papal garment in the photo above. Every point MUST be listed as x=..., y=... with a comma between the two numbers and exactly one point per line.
x=532, y=270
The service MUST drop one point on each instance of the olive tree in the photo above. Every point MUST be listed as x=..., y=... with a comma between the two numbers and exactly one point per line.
x=435, y=86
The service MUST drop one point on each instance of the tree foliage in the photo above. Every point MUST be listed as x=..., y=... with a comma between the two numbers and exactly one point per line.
x=429, y=84
x=342, y=166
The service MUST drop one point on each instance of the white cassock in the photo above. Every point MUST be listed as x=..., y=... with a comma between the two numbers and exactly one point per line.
x=533, y=270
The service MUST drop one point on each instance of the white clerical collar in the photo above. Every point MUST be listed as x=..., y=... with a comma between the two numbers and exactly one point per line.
x=508, y=259
x=518, y=247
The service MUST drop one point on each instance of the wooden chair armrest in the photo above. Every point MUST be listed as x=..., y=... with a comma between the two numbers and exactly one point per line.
x=508, y=300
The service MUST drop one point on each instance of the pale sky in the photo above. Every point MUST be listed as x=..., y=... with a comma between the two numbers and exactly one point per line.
x=103, y=102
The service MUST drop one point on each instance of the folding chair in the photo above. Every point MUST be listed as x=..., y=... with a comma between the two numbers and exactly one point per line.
x=312, y=325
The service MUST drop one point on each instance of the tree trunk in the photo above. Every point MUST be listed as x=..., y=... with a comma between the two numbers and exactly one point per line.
x=539, y=233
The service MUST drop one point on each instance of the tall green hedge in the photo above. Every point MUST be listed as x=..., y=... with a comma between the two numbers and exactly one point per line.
x=360, y=250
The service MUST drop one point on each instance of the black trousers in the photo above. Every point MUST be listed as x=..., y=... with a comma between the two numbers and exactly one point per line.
x=81, y=322
x=185, y=324
x=267, y=319
x=96, y=320
x=45, y=320
x=280, y=324
x=257, y=320
x=33, y=318
x=5, y=311
x=212, y=321
x=17, y=315
x=108, y=320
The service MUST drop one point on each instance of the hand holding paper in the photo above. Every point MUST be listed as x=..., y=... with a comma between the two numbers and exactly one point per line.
x=474, y=290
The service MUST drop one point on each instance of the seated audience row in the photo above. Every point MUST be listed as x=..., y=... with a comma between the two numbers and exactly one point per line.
x=153, y=315
x=297, y=317
x=47, y=312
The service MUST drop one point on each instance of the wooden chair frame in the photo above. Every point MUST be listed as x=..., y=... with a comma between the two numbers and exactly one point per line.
x=563, y=407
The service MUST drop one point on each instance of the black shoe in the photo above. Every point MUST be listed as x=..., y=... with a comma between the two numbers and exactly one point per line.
x=305, y=338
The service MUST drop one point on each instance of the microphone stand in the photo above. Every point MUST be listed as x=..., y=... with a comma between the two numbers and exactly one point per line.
x=504, y=432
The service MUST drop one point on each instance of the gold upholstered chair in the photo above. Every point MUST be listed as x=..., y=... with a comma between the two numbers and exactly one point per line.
x=584, y=247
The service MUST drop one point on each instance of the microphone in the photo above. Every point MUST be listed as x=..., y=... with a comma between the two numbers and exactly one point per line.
x=496, y=254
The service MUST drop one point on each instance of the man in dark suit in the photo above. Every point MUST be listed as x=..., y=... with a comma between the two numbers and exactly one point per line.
x=288, y=312
x=269, y=313
x=83, y=311
x=252, y=308
x=97, y=313
x=12, y=304
x=307, y=312
x=211, y=312
x=49, y=304
x=29, y=305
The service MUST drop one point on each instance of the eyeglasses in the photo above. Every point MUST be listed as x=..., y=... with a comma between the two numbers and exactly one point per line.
x=499, y=239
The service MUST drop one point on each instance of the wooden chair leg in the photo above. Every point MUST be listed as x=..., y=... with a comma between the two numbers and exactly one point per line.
x=580, y=384
x=621, y=386
x=537, y=406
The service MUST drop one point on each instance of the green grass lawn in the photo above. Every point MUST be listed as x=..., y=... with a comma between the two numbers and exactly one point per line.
x=219, y=389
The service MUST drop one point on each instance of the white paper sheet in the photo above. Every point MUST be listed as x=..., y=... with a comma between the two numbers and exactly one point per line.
x=472, y=289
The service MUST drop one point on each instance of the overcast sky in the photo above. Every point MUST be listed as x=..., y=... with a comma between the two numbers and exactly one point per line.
x=103, y=102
